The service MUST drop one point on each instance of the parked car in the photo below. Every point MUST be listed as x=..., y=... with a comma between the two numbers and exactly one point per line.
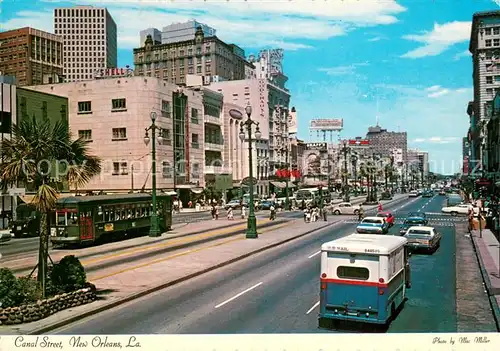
x=426, y=238
x=386, y=195
x=5, y=235
x=389, y=218
x=234, y=204
x=373, y=225
x=266, y=205
x=413, y=221
x=413, y=193
x=344, y=208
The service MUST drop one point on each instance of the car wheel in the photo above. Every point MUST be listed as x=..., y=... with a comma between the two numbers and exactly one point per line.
x=356, y=212
x=454, y=213
x=336, y=212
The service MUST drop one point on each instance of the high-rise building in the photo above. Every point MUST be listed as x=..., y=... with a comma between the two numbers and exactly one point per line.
x=383, y=142
x=89, y=40
x=31, y=56
x=419, y=162
x=206, y=56
x=178, y=32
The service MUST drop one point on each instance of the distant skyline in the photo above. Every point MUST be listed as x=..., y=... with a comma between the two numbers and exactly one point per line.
x=403, y=63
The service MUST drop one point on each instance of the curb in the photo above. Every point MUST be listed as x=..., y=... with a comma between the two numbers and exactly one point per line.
x=486, y=280
x=171, y=283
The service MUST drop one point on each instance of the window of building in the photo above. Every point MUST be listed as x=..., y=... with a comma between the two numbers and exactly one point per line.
x=165, y=109
x=496, y=31
x=166, y=169
x=167, y=136
x=84, y=107
x=208, y=68
x=487, y=43
x=119, y=133
x=118, y=104
x=194, y=116
x=120, y=168
x=195, y=143
x=496, y=42
x=85, y=134
x=198, y=69
x=489, y=91
x=489, y=79
x=195, y=171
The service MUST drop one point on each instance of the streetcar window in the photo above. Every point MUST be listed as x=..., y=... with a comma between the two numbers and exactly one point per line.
x=61, y=218
x=72, y=218
x=107, y=215
x=111, y=214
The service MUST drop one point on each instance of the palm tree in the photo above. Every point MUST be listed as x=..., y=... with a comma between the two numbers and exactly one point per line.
x=44, y=155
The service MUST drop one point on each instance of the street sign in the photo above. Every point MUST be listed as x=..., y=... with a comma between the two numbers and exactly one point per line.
x=359, y=142
x=17, y=191
x=247, y=181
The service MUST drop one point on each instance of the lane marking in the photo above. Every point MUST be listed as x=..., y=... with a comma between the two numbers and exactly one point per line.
x=312, y=308
x=238, y=295
x=183, y=253
x=314, y=254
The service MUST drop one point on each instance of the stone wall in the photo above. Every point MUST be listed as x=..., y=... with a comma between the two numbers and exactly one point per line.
x=44, y=308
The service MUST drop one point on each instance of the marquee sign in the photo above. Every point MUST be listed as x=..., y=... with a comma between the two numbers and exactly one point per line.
x=359, y=142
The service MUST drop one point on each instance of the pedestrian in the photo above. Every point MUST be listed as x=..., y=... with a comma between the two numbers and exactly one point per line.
x=361, y=213
x=470, y=217
x=230, y=213
x=380, y=207
x=216, y=212
x=243, y=212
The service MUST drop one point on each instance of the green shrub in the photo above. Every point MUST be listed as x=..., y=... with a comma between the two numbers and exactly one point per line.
x=29, y=289
x=68, y=275
x=10, y=291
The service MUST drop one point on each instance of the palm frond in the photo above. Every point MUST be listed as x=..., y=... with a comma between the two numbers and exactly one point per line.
x=45, y=198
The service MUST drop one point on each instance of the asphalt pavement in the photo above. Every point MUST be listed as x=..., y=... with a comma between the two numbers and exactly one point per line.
x=277, y=291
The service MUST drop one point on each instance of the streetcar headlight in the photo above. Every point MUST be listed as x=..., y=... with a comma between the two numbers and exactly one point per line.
x=53, y=231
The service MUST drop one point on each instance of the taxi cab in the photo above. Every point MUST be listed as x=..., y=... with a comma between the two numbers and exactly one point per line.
x=423, y=238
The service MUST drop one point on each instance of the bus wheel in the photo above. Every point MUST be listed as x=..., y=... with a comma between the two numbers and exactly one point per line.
x=393, y=310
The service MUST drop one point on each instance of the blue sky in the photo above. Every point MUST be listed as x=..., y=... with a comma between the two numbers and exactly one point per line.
x=343, y=58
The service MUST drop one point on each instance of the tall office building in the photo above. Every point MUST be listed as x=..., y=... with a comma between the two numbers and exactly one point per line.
x=89, y=40
x=31, y=56
x=383, y=142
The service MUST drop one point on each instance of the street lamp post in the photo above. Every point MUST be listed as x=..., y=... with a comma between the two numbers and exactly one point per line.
x=345, y=150
x=354, y=160
x=252, y=221
x=154, y=229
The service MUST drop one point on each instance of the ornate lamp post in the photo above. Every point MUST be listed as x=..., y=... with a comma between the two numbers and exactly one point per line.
x=154, y=229
x=344, y=151
x=354, y=161
x=252, y=222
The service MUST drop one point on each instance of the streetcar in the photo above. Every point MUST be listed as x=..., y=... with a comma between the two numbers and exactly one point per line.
x=363, y=278
x=85, y=219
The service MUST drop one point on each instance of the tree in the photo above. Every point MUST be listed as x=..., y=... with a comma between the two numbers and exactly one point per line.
x=44, y=155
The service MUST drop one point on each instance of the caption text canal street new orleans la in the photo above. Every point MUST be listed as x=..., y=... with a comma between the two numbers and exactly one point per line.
x=49, y=342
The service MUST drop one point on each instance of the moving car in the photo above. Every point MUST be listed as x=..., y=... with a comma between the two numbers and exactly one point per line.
x=266, y=205
x=460, y=209
x=428, y=193
x=389, y=218
x=414, y=220
x=345, y=208
x=386, y=195
x=373, y=225
x=423, y=238
x=413, y=193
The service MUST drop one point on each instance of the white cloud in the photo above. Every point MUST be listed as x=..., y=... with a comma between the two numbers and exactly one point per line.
x=342, y=70
x=251, y=23
x=434, y=88
x=438, y=93
x=436, y=140
x=462, y=54
x=439, y=39
x=375, y=39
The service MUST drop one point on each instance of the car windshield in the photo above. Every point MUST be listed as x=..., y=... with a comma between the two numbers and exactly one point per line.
x=414, y=221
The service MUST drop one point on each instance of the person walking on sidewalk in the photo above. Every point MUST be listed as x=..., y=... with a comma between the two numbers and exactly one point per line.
x=470, y=218
x=380, y=207
x=243, y=212
x=230, y=215
x=361, y=213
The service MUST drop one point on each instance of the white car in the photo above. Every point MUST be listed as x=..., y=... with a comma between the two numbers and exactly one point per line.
x=461, y=209
x=344, y=208
x=413, y=193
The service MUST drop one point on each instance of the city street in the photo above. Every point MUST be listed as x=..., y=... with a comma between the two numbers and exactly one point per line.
x=277, y=291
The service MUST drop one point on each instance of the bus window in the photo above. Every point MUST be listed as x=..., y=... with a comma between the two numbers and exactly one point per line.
x=358, y=273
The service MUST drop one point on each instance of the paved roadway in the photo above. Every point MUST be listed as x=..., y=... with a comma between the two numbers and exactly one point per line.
x=277, y=292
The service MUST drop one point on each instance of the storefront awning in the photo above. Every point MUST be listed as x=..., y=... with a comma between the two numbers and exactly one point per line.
x=197, y=190
x=171, y=193
x=279, y=184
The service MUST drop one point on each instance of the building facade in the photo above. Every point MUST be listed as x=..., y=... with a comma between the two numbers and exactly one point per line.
x=7, y=118
x=41, y=105
x=89, y=40
x=31, y=56
x=112, y=115
x=418, y=162
x=383, y=142
x=179, y=32
x=202, y=56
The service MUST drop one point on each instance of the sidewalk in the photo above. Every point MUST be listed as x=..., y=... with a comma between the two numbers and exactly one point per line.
x=137, y=281
x=488, y=253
